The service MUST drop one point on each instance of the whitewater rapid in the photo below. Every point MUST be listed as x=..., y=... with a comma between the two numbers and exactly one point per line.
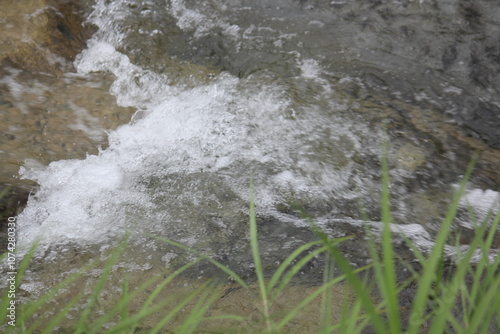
x=227, y=127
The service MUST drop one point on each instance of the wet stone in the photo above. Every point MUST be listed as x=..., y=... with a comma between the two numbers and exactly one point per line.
x=48, y=118
x=384, y=66
x=42, y=35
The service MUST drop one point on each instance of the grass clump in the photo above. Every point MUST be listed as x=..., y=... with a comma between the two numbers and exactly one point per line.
x=461, y=297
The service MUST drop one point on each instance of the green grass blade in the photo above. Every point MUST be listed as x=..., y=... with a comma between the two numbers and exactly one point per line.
x=216, y=263
x=196, y=316
x=351, y=277
x=178, y=308
x=351, y=319
x=169, y=279
x=123, y=325
x=118, y=308
x=387, y=274
x=295, y=269
x=257, y=261
x=123, y=305
x=484, y=262
x=164, y=283
x=350, y=274
x=18, y=273
x=326, y=297
x=82, y=325
x=54, y=322
x=483, y=307
x=292, y=313
x=286, y=263
x=35, y=306
x=484, y=311
x=419, y=306
x=456, y=289
x=302, y=262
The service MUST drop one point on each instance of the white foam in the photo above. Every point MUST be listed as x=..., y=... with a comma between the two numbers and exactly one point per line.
x=230, y=123
x=310, y=69
x=317, y=23
x=482, y=202
x=204, y=128
x=80, y=200
x=201, y=24
x=106, y=16
x=133, y=87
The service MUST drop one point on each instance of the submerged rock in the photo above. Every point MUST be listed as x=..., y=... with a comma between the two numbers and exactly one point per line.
x=41, y=35
x=434, y=54
x=311, y=86
x=48, y=118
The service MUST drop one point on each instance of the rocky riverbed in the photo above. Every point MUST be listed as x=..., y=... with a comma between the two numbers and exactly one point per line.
x=150, y=117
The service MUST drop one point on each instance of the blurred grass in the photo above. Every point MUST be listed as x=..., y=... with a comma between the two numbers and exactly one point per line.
x=450, y=298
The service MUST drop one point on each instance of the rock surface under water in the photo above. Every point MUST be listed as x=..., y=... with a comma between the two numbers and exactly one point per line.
x=296, y=93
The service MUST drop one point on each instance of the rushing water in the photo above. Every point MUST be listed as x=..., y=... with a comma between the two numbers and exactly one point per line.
x=287, y=92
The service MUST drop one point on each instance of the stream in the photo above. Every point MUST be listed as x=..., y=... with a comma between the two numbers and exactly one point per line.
x=158, y=125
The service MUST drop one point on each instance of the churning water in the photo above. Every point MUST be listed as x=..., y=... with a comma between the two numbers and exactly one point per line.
x=229, y=89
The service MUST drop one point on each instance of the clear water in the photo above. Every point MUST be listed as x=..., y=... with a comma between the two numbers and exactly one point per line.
x=227, y=90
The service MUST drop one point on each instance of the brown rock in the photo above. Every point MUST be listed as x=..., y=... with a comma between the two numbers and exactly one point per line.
x=41, y=35
x=47, y=117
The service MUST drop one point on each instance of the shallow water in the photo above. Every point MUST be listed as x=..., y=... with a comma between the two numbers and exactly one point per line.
x=297, y=95
x=224, y=88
